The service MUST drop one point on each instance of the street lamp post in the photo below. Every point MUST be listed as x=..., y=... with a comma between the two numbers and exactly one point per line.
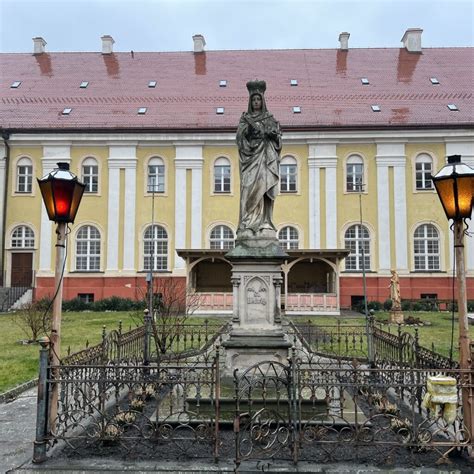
x=455, y=187
x=62, y=194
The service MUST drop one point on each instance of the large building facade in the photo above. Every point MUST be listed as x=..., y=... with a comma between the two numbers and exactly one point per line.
x=152, y=135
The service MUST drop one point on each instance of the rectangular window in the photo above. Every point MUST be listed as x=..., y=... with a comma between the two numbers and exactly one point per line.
x=86, y=297
x=423, y=175
x=90, y=177
x=156, y=179
x=288, y=175
x=354, y=177
x=222, y=179
x=24, y=179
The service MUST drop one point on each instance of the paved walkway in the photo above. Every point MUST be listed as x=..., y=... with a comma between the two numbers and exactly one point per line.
x=17, y=430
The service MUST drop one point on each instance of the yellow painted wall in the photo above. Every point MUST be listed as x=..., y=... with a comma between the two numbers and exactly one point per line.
x=348, y=210
x=424, y=206
x=164, y=203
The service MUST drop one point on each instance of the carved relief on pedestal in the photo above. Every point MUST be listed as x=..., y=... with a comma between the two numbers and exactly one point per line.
x=257, y=299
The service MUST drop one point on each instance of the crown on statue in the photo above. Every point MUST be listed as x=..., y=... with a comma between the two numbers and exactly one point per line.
x=256, y=87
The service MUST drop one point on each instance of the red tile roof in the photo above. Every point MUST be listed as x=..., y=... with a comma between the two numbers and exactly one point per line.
x=329, y=91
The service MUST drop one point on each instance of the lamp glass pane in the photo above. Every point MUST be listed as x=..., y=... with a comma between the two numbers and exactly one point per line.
x=465, y=192
x=445, y=189
x=76, y=199
x=63, y=193
x=47, y=193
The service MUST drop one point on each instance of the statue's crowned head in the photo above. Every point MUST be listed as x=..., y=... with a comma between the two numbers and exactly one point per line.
x=256, y=88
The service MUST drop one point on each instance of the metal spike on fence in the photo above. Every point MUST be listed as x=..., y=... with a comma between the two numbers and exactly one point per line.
x=103, y=332
x=120, y=327
x=69, y=350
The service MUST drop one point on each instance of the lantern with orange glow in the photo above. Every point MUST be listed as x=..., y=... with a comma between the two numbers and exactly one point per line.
x=62, y=193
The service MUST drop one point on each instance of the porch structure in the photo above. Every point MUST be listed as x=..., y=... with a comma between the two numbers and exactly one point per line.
x=310, y=280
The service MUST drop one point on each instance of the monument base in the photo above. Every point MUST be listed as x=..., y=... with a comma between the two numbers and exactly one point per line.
x=246, y=347
x=396, y=317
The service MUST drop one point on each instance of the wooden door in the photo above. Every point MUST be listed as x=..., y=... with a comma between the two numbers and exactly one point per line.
x=22, y=269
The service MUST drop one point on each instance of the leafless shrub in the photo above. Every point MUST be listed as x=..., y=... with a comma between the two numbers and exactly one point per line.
x=33, y=320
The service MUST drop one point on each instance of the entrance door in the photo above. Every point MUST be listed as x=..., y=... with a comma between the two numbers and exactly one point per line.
x=22, y=269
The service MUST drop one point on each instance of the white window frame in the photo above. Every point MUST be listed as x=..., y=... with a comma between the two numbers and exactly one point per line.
x=156, y=180
x=24, y=236
x=219, y=183
x=24, y=176
x=89, y=175
x=423, y=159
x=287, y=238
x=218, y=240
x=86, y=259
x=428, y=260
x=355, y=174
x=353, y=262
x=159, y=260
x=288, y=175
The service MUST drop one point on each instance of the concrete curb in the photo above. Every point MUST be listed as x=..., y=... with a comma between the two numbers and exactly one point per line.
x=10, y=395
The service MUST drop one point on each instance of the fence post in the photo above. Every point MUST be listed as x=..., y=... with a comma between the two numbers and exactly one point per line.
x=39, y=445
x=294, y=403
x=400, y=347
x=217, y=403
x=146, y=340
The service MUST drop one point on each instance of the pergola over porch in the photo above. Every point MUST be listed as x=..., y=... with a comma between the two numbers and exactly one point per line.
x=310, y=280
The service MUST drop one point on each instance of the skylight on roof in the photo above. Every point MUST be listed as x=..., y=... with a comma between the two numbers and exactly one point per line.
x=219, y=110
x=84, y=84
x=434, y=80
x=296, y=109
x=152, y=84
x=294, y=82
x=223, y=83
x=142, y=110
x=15, y=85
x=453, y=107
x=67, y=111
x=365, y=81
x=376, y=108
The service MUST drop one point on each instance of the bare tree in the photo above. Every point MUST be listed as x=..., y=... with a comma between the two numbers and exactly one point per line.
x=33, y=320
x=173, y=303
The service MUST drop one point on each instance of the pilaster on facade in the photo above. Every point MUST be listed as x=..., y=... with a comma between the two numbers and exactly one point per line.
x=121, y=156
x=52, y=154
x=323, y=155
x=391, y=154
x=3, y=188
x=188, y=157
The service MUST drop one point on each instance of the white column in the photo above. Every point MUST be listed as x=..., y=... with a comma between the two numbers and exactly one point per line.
x=400, y=204
x=52, y=154
x=323, y=155
x=196, y=207
x=465, y=148
x=314, y=200
x=3, y=163
x=129, y=242
x=121, y=157
x=187, y=157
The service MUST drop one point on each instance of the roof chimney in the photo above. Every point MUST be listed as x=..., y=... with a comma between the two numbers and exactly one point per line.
x=412, y=40
x=39, y=45
x=344, y=40
x=199, y=43
x=107, y=44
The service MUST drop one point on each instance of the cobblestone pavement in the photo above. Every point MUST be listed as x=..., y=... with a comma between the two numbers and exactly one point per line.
x=17, y=430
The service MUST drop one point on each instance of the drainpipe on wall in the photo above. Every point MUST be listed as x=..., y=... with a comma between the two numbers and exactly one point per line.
x=5, y=137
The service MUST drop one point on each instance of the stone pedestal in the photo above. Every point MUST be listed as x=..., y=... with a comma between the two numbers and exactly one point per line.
x=256, y=333
x=396, y=316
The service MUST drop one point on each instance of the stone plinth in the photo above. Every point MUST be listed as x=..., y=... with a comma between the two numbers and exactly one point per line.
x=256, y=321
x=396, y=316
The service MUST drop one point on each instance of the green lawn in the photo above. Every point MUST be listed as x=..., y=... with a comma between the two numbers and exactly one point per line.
x=437, y=334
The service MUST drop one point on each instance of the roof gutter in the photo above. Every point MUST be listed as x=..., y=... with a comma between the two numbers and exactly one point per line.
x=5, y=137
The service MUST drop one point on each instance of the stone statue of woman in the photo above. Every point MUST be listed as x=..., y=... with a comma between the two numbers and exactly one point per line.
x=259, y=142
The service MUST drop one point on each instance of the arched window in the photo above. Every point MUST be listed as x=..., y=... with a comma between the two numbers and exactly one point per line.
x=90, y=175
x=354, y=174
x=24, y=175
x=423, y=170
x=288, y=174
x=426, y=248
x=156, y=176
x=23, y=237
x=88, y=249
x=288, y=237
x=357, y=240
x=155, y=251
x=222, y=175
x=222, y=238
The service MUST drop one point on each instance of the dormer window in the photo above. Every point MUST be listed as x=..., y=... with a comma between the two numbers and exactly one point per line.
x=434, y=80
x=297, y=109
x=15, y=85
x=152, y=84
x=84, y=84
x=453, y=107
x=365, y=81
x=67, y=111
x=376, y=108
x=142, y=111
x=223, y=83
x=293, y=82
x=220, y=110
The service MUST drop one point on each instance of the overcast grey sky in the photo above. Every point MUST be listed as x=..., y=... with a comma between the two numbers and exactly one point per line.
x=168, y=25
